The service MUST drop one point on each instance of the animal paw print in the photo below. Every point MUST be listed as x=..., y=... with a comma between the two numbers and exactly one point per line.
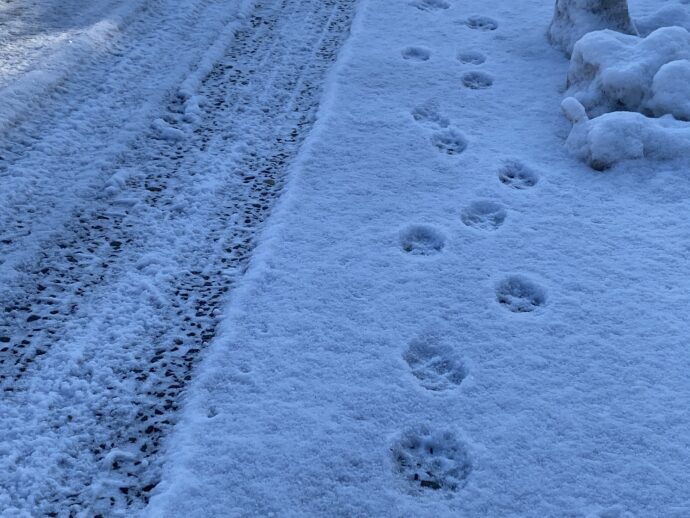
x=436, y=367
x=429, y=459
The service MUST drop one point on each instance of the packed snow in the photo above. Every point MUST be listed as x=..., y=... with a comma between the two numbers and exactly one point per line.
x=358, y=258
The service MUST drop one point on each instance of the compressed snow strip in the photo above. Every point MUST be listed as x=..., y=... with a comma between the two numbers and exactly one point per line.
x=613, y=137
x=572, y=19
x=610, y=71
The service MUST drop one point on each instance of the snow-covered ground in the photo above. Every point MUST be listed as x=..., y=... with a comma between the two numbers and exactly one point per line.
x=130, y=198
x=449, y=315
x=446, y=313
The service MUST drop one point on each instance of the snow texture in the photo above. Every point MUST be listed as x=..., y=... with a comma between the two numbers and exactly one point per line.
x=572, y=19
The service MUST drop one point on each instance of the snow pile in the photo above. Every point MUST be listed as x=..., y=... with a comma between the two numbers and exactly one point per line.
x=610, y=71
x=668, y=16
x=612, y=137
x=573, y=19
x=670, y=93
x=636, y=79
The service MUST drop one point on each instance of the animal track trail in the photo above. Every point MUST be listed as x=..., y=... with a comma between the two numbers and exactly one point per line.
x=517, y=175
x=446, y=139
x=484, y=215
x=431, y=460
x=119, y=429
x=436, y=367
x=520, y=294
x=422, y=240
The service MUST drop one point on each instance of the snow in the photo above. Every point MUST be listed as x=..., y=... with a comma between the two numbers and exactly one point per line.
x=673, y=15
x=341, y=258
x=386, y=356
x=118, y=245
x=613, y=137
x=613, y=75
x=612, y=71
x=669, y=92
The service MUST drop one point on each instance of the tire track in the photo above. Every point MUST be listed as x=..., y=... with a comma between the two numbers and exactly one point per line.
x=119, y=309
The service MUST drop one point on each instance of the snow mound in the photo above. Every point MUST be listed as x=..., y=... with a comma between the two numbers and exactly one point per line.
x=610, y=71
x=572, y=19
x=667, y=16
x=670, y=93
x=612, y=137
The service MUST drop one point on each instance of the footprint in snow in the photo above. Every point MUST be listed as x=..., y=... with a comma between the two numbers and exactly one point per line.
x=431, y=5
x=449, y=141
x=477, y=80
x=481, y=23
x=431, y=459
x=520, y=294
x=416, y=54
x=517, y=175
x=422, y=240
x=471, y=57
x=430, y=114
x=484, y=215
x=436, y=367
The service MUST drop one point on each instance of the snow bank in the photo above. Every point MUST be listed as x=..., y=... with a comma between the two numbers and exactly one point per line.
x=612, y=137
x=624, y=74
x=610, y=71
x=572, y=19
